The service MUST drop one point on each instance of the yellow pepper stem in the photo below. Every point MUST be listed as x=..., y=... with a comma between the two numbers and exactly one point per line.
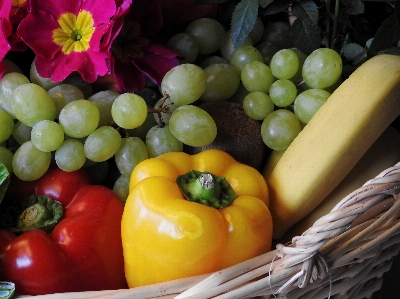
x=206, y=188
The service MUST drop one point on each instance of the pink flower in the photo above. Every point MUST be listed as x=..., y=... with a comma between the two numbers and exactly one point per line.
x=133, y=56
x=19, y=10
x=65, y=36
x=5, y=31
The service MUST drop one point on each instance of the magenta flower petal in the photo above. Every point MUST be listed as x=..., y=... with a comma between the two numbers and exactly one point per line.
x=89, y=66
x=37, y=34
x=128, y=77
x=157, y=60
x=116, y=23
x=5, y=31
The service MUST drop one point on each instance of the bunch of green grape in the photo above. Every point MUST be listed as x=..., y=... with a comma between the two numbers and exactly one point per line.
x=66, y=124
x=276, y=84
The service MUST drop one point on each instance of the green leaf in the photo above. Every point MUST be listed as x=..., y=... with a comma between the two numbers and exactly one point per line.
x=7, y=289
x=387, y=35
x=305, y=33
x=4, y=180
x=397, y=12
x=243, y=19
x=391, y=51
x=306, y=9
x=278, y=6
x=265, y=3
x=354, y=7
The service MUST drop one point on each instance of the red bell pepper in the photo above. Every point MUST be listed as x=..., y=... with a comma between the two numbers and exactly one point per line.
x=83, y=251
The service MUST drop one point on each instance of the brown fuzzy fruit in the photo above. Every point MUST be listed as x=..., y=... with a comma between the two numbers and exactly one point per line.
x=237, y=134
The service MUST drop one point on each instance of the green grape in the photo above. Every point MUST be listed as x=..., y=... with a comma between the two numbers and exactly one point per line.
x=208, y=34
x=79, y=118
x=222, y=83
x=240, y=94
x=45, y=83
x=142, y=130
x=257, y=31
x=121, y=187
x=6, y=157
x=160, y=140
x=47, y=135
x=31, y=104
x=257, y=76
x=78, y=82
x=184, y=44
x=131, y=152
x=284, y=64
x=244, y=55
x=283, y=92
x=6, y=125
x=277, y=33
x=210, y=60
x=165, y=116
x=129, y=110
x=8, y=83
x=322, y=68
x=276, y=37
x=11, y=67
x=104, y=100
x=70, y=156
x=102, y=144
x=257, y=105
x=279, y=129
x=30, y=163
x=227, y=47
x=184, y=83
x=63, y=94
x=21, y=132
x=193, y=126
x=298, y=77
x=308, y=102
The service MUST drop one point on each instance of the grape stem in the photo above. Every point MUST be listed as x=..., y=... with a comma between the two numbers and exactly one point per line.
x=161, y=108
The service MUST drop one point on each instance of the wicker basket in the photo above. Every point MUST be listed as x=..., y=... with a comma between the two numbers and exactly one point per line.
x=343, y=255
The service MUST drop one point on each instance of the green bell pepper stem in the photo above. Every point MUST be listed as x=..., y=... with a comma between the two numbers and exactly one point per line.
x=36, y=211
x=7, y=289
x=206, y=188
x=4, y=180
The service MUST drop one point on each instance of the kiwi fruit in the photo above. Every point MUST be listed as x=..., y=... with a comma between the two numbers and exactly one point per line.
x=237, y=134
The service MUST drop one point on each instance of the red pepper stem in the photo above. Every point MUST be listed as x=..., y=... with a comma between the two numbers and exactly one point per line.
x=36, y=211
x=33, y=216
x=206, y=188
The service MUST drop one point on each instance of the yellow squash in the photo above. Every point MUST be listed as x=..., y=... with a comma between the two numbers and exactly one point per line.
x=335, y=139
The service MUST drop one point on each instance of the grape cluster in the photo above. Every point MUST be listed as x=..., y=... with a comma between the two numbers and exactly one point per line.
x=275, y=83
x=68, y=125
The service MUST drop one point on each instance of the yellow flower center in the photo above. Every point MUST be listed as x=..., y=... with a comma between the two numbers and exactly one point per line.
x=75, y=32
x=18, y=2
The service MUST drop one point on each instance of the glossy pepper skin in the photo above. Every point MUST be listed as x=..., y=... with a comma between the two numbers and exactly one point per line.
x=167, y=237
x=83, y=252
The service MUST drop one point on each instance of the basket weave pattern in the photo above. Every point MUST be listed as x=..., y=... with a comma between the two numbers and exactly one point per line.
x=343, y=255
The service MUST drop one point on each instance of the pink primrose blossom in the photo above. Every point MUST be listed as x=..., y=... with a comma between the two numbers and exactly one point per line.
x=65, y=35
x=5, y=31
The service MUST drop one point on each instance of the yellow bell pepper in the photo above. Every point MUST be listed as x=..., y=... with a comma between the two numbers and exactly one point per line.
x=193, y=214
